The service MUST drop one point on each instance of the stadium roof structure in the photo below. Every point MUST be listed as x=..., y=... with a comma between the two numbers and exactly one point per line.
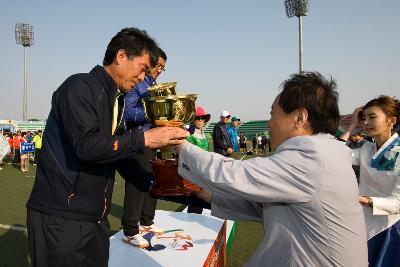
x=25, y=126
x=249, y=128
x=252, y=128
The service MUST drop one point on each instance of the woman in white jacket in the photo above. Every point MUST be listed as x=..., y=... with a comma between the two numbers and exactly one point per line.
x=380, y=178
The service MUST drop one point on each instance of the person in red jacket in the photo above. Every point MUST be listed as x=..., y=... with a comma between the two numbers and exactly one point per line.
x=16, y=145
x=10, y=143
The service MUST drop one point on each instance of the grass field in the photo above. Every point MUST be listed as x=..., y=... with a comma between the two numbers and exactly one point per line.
x=15, y=187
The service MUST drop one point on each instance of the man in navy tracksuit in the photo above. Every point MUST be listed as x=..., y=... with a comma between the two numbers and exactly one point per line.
x=84, y=138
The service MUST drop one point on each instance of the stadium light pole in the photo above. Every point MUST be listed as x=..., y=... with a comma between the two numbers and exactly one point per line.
x=298, y=8
x=24, y=37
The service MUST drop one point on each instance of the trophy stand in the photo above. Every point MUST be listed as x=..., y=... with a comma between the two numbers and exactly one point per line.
x=166, y=109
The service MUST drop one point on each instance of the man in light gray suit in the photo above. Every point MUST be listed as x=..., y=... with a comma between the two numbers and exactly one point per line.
x=305, y=193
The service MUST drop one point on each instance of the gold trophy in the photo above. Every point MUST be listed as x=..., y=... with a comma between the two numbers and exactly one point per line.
x=165, y=108
x=162, y=89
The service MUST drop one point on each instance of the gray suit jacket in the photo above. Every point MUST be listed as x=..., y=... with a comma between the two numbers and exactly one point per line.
x=305, y=195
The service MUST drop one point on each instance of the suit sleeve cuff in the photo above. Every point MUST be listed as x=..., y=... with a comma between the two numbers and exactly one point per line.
x=138, y=142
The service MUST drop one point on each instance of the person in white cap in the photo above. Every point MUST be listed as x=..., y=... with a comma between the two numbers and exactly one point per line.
x=221, y=140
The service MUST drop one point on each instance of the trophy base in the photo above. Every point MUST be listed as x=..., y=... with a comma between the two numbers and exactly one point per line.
x=168, y=182
x=166, y=154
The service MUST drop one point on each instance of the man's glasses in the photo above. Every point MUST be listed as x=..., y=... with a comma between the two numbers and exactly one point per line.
x=160, y=67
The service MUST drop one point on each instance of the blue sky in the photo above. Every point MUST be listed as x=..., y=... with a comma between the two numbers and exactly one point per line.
x=234, y=54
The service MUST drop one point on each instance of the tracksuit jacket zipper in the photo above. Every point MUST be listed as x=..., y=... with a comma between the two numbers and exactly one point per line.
x=105, y=201
x=108, y=182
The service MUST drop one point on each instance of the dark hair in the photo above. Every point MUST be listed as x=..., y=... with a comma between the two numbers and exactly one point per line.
x=135, y=42
x=389, y=106
x=162, y=54
x=316, y=94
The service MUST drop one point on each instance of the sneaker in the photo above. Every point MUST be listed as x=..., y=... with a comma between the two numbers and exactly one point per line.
x=152, y=229
x=136, y=240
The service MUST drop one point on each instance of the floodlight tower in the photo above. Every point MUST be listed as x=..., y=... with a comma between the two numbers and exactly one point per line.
x=298, y=8
x=24, y=37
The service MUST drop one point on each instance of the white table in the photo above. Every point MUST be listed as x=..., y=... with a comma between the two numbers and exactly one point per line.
x=187, y=242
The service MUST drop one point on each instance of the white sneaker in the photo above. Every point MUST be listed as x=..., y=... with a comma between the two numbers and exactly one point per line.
x=152, y=229
x=136, y=240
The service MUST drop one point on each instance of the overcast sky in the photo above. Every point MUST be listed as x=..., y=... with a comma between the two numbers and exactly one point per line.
x=234, y=54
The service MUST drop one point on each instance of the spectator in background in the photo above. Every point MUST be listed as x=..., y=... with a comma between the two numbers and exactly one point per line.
x=356, y=139
x=37, y=140
x=269, y=145
x=221, y=140
x=10, y=143
x=16, y=145
x=265, y=143
x=4, y=148
x=198, y=137
x=259, y=145
x=29, y=136
x=232, y=132
x=254, y=142
x=24, y=156
x=242, y=143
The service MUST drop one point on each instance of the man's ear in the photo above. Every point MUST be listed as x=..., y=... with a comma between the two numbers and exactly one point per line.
x=393, y=121
x=120, y=56
x=301, y=117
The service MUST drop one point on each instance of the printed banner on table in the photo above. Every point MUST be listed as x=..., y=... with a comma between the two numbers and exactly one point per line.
x=217, y=255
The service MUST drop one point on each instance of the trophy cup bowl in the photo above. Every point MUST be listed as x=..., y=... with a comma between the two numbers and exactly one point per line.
x=171, y=110
x=162, y=89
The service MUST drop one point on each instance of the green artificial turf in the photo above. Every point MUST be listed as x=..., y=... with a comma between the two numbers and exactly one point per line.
x=15, y=187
